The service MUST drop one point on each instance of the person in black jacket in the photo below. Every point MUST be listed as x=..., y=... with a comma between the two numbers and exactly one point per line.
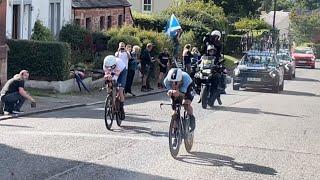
x=146, y=65
x=214, y=38
x=13, y=93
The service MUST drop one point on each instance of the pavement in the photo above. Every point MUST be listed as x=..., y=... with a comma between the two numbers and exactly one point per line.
x=256, y=134
x=48, y=102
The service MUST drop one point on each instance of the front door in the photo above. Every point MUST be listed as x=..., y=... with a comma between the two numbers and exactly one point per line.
x=16, y=22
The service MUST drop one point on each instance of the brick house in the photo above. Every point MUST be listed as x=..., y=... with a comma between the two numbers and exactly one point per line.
x=97, y=15
x=3, y=47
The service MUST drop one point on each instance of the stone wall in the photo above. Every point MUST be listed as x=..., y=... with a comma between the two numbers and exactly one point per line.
x=95, y=15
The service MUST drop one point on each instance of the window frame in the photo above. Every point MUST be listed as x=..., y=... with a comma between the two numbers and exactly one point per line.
x=147, y=4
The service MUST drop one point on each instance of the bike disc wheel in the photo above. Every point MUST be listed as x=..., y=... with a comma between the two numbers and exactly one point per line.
x=108, y=112
x=174, y=138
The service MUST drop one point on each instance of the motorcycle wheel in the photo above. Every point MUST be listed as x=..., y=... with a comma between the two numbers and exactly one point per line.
x=204, y=97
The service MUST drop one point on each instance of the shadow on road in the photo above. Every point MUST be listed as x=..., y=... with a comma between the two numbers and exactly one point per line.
x=9, y=125
x=285, y=92
x=19, y=164
x=209, y=159
x=252, y=111
x=141, y=130
x=305, y=79
x=297, y=93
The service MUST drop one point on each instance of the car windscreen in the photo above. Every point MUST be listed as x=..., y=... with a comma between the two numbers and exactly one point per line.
x=257, y=60
x=303, y=51
x=283, y=57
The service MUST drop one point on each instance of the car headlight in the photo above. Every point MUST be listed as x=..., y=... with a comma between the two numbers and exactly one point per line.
x=287, y=67
x=237, y=72
x=206, y=71
x=273, y=74
x=313, y=59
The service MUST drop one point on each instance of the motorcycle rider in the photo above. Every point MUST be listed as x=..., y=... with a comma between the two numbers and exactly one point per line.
x=214, y=38
x=213, y=54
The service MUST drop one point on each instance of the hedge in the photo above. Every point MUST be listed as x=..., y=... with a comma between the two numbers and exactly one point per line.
x=138, y=36
x=149, y=22
x=317, y=49
x=44, y=60
x=113, y=43
x=233, y=45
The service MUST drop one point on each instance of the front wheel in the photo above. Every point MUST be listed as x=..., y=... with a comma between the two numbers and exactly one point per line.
x=108, y=112
x=204, y=97
x=175, y=137
x=189, y=136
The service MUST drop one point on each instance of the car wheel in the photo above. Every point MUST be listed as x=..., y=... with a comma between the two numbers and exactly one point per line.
x=282, y=86
x=313, y=67
x=236, y=88
x=276, y=89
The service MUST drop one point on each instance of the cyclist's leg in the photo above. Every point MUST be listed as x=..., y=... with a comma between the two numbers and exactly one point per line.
x=187, y=105
x=122, y=84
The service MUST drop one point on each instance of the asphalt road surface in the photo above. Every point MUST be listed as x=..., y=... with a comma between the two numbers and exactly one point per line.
x=254, y=135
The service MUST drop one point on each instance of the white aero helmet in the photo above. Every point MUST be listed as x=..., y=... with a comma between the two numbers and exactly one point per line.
x=174, y=75
x=110, y=61
x=216, y=33
x=211, y=47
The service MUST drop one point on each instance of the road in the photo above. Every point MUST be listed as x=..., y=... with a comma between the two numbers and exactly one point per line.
x=254, y=135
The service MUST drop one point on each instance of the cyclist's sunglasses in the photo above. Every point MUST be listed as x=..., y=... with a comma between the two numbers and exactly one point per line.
x=175, y=83
x=111, y=67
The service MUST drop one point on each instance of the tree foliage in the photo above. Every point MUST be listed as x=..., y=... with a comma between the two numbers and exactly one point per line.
x=41, y=33
x=305, y=27
x=208, y=14
x=251, y=24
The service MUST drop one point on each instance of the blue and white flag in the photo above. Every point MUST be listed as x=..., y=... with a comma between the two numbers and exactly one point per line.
x=172, y=26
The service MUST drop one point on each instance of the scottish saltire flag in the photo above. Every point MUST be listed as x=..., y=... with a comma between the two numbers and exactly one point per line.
x=172, y=25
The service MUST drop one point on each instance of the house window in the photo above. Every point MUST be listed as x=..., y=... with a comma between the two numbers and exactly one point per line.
x=120, y=20
x=55, y=17
x=109, y=22
x=88, y=23
x=102, y=23
x=77, y=22
x=147, y=5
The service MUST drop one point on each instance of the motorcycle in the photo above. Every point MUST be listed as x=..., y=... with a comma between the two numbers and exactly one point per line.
x=208, y=81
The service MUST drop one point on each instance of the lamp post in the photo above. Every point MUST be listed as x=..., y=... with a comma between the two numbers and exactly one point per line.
x=274, y=14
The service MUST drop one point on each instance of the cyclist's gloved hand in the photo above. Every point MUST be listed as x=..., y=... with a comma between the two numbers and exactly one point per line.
x=108, y=77
x=174, y=93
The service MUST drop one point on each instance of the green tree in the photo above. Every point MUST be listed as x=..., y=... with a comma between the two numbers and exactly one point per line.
x=41, y=33
x=238, y=8
x=305, y=27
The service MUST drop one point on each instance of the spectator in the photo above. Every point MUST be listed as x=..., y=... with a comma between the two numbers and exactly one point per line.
x=146, y=64
x=195, y=53
x=123, y=54
x=163, y=66
x=132, y=67
x=13, y=93
x=176, y=43
x=187, y=58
